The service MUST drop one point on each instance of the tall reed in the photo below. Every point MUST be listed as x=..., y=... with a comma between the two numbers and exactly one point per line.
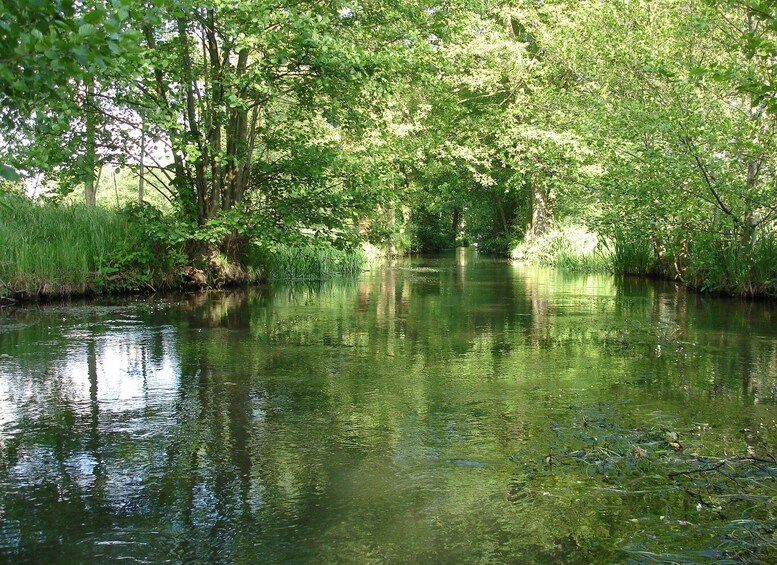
x=725, y=266
x=48, y=249
x=633, y=258
x=313, y=262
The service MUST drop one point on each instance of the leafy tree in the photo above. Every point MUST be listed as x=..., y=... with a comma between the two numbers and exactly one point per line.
x=59, y=57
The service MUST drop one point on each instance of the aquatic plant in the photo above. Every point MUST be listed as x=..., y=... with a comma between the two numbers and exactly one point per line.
x=633, y=257
x=716, y=265
x=309, y=262
x=710, y=503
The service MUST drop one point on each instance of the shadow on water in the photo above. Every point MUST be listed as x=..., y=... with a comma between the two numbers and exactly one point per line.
x=451, y=409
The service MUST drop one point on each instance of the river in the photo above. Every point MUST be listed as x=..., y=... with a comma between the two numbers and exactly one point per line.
x=441, y=410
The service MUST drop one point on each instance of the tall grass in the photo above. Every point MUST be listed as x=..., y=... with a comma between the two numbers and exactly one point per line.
x=313, y=262
x=715, y=263
x=633, y=258
x=48, y=249
x=724, y=266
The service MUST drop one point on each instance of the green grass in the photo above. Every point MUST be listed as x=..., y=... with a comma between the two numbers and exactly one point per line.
x=313, y=262
x=726, y=267
x=50, y=250
x=633, y=258
x=707, y=263
x=55, y=250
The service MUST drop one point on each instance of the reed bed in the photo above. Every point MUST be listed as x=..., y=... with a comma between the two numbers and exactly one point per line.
x=55, y=250
x=728, y=267
x=313, y=262
x=634, y=258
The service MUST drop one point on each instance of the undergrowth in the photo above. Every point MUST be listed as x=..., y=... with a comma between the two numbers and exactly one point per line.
x=70, y=249
x=571, y=248
x=633, y=258
x=728, y=267
x=705, y=262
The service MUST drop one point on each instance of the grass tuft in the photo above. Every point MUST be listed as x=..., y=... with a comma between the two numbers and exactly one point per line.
x=726, y=267
x=633, y=258
x=571, y=248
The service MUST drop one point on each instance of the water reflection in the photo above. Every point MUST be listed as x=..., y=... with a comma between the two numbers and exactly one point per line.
x=403, y=416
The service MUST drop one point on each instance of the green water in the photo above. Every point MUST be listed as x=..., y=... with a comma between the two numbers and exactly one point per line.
x=448, y=410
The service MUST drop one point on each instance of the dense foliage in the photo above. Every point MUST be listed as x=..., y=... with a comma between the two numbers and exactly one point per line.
x=415, y=125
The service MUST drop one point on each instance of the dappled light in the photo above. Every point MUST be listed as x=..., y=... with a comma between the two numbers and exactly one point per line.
x=388, y=281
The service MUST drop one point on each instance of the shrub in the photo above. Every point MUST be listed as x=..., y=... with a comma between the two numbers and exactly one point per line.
x=571, y=248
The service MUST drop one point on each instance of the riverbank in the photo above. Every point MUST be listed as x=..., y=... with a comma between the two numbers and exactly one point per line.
x=71, y=250
x=57, y=251
x=715, y=265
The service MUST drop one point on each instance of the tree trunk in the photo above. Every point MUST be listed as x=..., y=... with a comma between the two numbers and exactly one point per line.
x=237, y=146
x=541, y=212
x=90, y=187
x=244, y=171
x=142, y=175
x=750, y=219
x=503, y=217
x=181, y=180
x=200, y=179
x=213, y=125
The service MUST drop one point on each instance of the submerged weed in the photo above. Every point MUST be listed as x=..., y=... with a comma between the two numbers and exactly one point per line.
x=687, y=497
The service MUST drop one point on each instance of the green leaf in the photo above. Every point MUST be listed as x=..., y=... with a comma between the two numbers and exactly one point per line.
x=8, y=173
x=94, y=16
x=86, y=30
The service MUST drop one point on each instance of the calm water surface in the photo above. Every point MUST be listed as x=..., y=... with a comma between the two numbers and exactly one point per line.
x=453, y=409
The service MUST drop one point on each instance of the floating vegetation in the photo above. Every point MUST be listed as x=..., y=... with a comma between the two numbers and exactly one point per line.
x=415, y=269
x=677, y=487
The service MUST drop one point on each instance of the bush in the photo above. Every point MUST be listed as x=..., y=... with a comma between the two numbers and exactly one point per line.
x=572, y=248
x=150, y=253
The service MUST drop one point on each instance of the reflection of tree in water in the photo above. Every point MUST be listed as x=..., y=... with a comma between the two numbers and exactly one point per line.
x=71, y=425
x=367, y=422
x=373, y=416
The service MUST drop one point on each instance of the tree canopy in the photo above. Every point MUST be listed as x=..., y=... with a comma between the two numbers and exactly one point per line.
x=471, y=120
